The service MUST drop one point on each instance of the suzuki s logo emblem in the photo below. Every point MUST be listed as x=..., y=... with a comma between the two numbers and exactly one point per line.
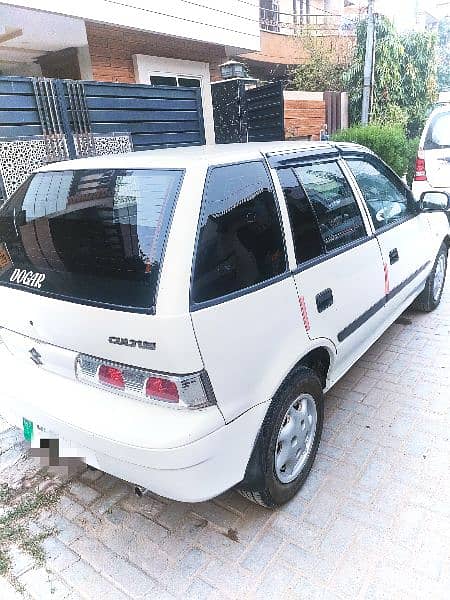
x=35, y=356
x=29, y=278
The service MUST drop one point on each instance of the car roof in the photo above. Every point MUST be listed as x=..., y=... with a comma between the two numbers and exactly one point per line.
x=188, y=156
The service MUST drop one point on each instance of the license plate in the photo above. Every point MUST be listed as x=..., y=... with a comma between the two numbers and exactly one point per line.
x=27, y=429
x=5, y=260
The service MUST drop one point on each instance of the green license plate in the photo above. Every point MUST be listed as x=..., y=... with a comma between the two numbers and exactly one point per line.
x=27, y=429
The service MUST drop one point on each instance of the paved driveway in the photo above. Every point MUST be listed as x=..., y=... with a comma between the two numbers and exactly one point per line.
x=372, y=521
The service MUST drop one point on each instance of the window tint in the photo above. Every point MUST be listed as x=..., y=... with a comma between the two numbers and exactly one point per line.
x=163, y=80
x=388, y=200
x=188, y=82
x=92, y=235
x=305, y=229
x=337, y=213
x=240, y=240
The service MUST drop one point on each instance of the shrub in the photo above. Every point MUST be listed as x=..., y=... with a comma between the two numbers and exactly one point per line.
x=388, y=141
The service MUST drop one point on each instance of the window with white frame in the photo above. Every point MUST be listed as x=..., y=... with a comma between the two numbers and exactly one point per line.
x=175, y=80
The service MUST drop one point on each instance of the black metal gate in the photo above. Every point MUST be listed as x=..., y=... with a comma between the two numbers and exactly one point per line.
x=155, y=116
x=265, y=113
x=45, y=120
x=243, y=114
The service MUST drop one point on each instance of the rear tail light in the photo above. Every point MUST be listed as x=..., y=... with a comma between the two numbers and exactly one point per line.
x=420, y=174
x=183, y=391
x=111, y=376
x=162, y=389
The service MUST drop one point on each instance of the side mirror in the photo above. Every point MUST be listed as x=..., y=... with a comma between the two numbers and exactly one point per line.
x=433, y=201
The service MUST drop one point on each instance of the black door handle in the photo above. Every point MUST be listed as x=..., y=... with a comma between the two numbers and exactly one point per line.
x=324, y=300
x=393, y=256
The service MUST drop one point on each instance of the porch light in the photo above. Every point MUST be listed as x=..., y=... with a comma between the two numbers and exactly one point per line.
x=232, y=68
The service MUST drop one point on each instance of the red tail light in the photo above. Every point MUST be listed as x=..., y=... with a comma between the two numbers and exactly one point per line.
x=111, y=376
x=161, y=389
x=421, y=174
x=179, y=391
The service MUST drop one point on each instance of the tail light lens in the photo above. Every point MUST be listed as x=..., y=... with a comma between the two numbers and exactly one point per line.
x=162, y=389
x=111, y=376
x=421, y=174
x=182, y=391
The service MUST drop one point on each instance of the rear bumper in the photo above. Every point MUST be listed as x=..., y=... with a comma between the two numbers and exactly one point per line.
x=201, y=457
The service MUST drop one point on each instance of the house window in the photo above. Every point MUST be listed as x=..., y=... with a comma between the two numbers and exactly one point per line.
x=175, y=80
x=269, y=15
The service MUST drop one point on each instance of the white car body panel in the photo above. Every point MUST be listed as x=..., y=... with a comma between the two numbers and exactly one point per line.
x=248, y=344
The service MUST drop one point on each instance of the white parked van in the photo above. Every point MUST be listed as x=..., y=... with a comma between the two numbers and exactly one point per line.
x=433, y=157
x=174, y=317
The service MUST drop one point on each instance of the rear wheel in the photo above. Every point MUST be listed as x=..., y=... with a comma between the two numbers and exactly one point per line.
x=287, y=443
x=430, y=298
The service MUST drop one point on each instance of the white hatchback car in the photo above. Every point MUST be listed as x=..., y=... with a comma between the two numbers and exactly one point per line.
x=174, y=317
x=433, y=158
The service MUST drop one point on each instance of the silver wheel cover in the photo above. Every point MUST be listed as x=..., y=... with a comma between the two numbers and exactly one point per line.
x=295, y=438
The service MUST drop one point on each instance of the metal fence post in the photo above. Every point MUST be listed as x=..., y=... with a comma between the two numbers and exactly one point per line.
x=65, y=122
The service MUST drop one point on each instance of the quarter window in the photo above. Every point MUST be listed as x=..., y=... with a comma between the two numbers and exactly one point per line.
x=305, y=229
x=387, y=199
x=336, y=210
x=240, y=241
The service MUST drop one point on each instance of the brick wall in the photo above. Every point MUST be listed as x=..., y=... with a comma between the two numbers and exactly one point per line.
x=303, y=118
x=293, y=50
x=112, y=48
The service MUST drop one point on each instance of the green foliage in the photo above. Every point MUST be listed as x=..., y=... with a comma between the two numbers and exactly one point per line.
x=388, y=141
x=320, y=73
x=405, y=76
x=443, y=65
x=418, y=78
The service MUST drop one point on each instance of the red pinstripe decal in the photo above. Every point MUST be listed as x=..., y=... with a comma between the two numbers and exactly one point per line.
x=386, y=279
x=304, y=312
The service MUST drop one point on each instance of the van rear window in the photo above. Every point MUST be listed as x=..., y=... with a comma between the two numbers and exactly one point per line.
x=90, y=236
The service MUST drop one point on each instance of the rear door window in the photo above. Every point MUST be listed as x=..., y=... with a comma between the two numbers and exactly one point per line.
x=339, y=218
x=308, y=242
x=240, y=240
x=92, y=236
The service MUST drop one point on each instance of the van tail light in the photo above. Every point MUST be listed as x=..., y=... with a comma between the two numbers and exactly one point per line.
x=180, y=391
x=420, y=174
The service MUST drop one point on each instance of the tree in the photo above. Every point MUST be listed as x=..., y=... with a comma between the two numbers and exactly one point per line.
x=404, y=79
x=443, y=70
x=320, y=73
x=418, y=78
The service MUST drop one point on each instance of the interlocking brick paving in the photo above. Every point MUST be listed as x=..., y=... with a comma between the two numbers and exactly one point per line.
x=372, y=521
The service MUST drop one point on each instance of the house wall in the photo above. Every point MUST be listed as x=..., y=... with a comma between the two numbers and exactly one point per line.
x=232, y=23
x=304, y=115
x=291, y=50
x=112, y=50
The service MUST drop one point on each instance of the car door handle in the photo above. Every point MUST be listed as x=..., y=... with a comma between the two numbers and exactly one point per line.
x=393, y=256
x=324, y=299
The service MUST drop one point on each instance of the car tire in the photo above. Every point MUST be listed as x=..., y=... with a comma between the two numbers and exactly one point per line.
x=431, y=296
x=287, y=443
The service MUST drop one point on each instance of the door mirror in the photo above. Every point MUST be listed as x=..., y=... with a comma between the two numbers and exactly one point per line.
x=431, y=201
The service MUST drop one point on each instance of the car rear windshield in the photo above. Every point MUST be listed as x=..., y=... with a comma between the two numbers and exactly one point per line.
x=90, y=236
x=438, y=135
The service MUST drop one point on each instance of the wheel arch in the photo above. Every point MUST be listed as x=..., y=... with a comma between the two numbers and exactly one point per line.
x=319, y=359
